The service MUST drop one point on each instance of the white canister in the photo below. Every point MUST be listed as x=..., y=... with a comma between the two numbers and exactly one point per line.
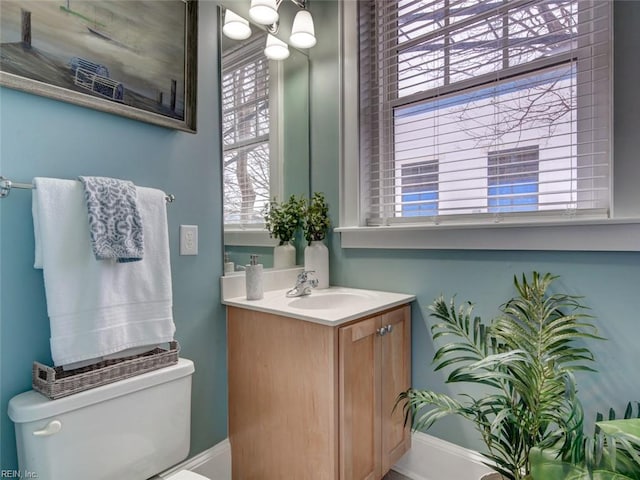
x=284, y=256
x=316, y=259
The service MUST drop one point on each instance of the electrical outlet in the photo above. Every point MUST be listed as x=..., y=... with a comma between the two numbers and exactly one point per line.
x=188, y=240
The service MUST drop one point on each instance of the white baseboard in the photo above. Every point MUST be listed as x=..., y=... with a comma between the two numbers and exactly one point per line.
x=430, y=458
x=213, y=463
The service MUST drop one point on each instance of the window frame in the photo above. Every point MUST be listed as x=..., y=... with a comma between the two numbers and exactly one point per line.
x=620, y=232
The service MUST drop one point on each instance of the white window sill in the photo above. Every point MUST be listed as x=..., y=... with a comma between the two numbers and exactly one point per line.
x=596, y=235
x=257, y=237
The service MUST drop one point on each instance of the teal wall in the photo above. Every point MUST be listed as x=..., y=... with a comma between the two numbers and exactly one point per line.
x=609, y=281
x=43, y=137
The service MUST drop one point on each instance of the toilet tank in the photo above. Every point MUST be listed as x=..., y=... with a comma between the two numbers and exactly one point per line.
x=131, y=429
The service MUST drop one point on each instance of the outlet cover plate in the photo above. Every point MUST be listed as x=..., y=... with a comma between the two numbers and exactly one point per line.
x=188, y=240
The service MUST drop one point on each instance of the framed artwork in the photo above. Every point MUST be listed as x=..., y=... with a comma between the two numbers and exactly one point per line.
x=133, y=58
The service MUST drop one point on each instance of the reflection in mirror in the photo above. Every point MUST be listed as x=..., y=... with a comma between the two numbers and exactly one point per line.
x=246, y=132
x=265, y=135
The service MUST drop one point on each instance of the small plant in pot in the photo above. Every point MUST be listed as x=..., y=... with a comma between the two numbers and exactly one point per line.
x=315, y=227
x=283, y=220
x=524, y=360
x=316, y=222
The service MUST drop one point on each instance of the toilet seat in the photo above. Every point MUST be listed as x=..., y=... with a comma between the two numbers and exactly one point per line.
x=186, y=475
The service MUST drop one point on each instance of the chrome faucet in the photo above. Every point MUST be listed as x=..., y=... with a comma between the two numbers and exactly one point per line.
x=304, y=283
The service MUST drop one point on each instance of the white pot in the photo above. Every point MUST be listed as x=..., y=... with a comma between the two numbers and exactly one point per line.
x=316, y=259
x=284, y=256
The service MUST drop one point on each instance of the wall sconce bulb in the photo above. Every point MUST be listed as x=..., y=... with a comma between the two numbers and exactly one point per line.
x=302, y=31
x=264, y=12
x=276, y=49
x=235, y=27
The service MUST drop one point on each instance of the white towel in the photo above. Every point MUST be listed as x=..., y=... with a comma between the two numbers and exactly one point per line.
x=97, y=308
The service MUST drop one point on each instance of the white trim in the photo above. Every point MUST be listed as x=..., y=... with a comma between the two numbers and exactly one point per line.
x=258, y=237
x=349, y=174
x=276, y=130
x=609, y=235
x=430, y=458
x=213, y=463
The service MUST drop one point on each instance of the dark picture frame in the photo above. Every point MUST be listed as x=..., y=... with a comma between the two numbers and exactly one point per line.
x=127, y=57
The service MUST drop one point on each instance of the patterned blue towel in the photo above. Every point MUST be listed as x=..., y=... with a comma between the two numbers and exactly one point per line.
x=115, y=226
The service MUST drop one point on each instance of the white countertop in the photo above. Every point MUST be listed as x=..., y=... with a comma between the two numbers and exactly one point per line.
x=331, y=306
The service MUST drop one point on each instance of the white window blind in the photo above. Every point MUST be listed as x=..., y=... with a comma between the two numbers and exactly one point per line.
x=508, y=101
x=245, y=133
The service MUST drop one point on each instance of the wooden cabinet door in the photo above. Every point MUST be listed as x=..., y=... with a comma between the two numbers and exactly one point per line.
x=375, y=366
x=282, y=397
x=395, y=366
x=359, y=372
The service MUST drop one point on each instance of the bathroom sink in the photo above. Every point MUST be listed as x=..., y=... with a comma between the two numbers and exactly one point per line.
x=319, y=300
x=330, y=306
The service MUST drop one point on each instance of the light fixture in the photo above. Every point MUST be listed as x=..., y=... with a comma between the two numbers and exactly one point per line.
x=236, y=27
x=302, y=31
x=264, y=12
x=276, y=49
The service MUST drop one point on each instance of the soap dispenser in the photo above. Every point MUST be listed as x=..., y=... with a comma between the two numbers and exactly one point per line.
x=253, y=279
x=229, y=267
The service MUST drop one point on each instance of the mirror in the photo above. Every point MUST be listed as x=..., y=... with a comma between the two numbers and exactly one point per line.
x=265, y=133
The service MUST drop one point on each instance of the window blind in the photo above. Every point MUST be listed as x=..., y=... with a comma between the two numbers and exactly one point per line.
x=245, y=133
x=510, y=100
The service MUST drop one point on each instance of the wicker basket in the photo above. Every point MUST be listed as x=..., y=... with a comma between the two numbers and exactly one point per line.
x=56, y=382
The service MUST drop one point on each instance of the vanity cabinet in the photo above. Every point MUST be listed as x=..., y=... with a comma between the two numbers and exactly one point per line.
x=315, y=401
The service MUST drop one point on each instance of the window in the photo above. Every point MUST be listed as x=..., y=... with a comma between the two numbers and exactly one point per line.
x=513, y=180
x=467, y=87
x=245, y=133
x=419, y=189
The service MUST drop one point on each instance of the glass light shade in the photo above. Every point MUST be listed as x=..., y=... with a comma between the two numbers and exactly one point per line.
x=276, y=49
x=235, y=27
x=302, y=31
x=264, y=12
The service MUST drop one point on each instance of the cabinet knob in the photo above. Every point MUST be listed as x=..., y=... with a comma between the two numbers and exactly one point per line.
x=384, y=330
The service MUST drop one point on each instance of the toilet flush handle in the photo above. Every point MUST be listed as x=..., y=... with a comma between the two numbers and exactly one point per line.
x=54, y=426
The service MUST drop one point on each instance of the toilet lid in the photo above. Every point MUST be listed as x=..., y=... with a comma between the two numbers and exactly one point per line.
x=186, y=475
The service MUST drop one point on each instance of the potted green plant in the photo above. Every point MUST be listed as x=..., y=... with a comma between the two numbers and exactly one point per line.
x=524, y=359
x=315, y=227
x=283, y=220
x=612, y=453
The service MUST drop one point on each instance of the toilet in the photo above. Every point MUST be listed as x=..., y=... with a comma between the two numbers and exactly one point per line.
x=131, y=429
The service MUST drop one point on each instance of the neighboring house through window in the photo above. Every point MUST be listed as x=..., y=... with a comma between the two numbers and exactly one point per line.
x=513, y=180
x=419, y=189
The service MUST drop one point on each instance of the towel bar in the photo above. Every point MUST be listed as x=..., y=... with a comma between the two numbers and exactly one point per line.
x=6, y=185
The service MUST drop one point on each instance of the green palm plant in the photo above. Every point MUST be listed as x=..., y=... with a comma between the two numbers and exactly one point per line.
x=525, y=360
